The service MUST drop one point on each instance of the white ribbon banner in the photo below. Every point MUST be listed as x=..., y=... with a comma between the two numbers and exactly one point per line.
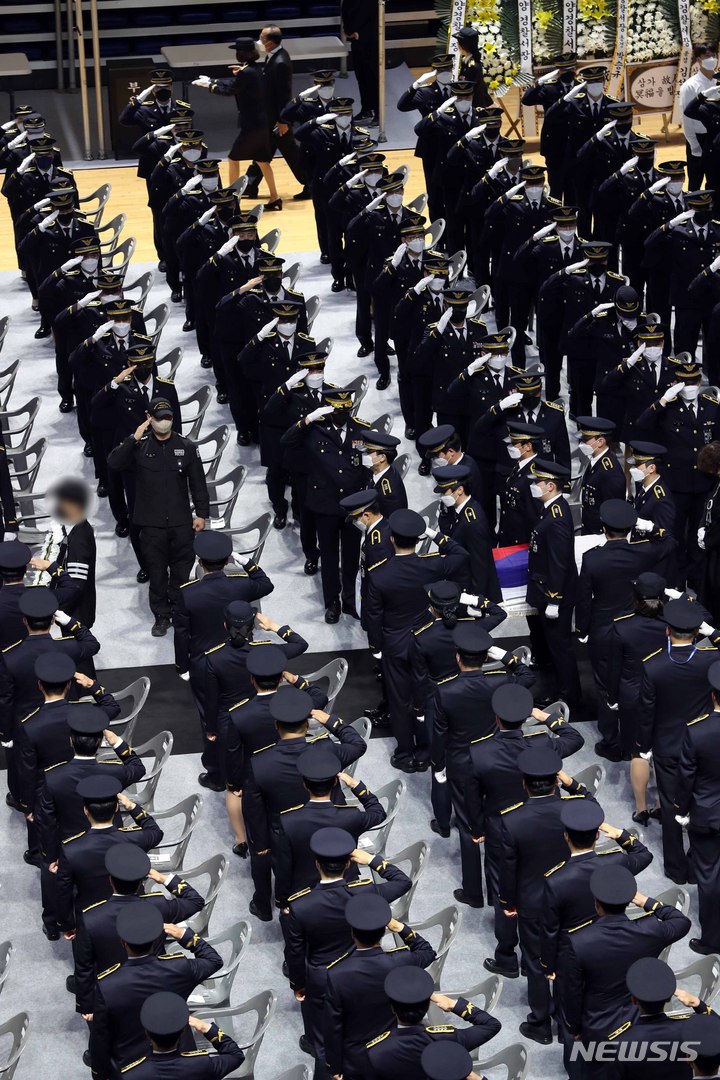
x=685, y=59
x=457, y=21
x=525, y=38
x=570, y=25
x=617, y=67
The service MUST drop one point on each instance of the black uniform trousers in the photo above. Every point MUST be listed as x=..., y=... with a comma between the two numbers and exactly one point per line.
x=458, y=768
x=551, y=641
x=308, y=531
x=363, y=315
x=48, y=896
x=705, y=855
x=695, y=167
x=339, y=545
x=599, y=644
x=581, y=379
x=365, y=62
x=128, y=480
x=440, y=798
x=320, y=207
x=520, y=308
x=168, y=557
x=551, y=355
x=689, y=510
x=506, y=931
x=210, y=756
x=422, y=405
x=676, y=863
x=538, y=987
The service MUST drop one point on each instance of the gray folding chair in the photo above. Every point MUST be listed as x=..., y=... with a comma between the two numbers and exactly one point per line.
x=94, y=214
x=515, y=1058
x=412, y=860
x=206, y=878
x=270, y=241
x=240, y=184
x=418, y=204
x=447, y=922
x=402, y=464
x=383, y=422
x=169, y=855
x=336, y=674
x=17, y=1027
x=192, y=411
x=363, y=726
x=488, y=991
x=6, y=951
x=215, y=992
x=481, y=297
x=131, y=700
x=434, y=233
x=390, y=795
x=4, y=326
x=224, y=494
x=144, y=283
x=33, y=517
x=298, y=1072
x=118, y=260
x=457, y=264
x=593, y=777
x=557, y=708
x=25, y=465
x=211, y=448
x=706, y=971
x=167, y=366
x=522, y=652
x=109, y=243
x=325, y=345
x=236, y=1022
x=17, y=425
x=155, y=322
x=359, y=387
x=291, y=274
x=250, y=539
x=312, y=306
x=8, y=376
x=158, y=749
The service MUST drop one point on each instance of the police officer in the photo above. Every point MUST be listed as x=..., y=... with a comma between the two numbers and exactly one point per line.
x=168, y=473
x=552, y=580
x=153, y=106
x=518, y=509
x=72, y=571
x=653, y=501
x=442, y=444
x=639, y=378
x=165, y=1018
x=380, y=453
x=602, y=155
x=364, y=512
x=199, y=242
x=550, y=87
x=661, y=201
x=51, y=243
x=599, y=341
x=14, y=559
x=464, y=519
x=151, y=146
x=498, y=161
x=603, y=477
x=170, y=175
x=74, y=279
x=179, y=213
x=494, y=783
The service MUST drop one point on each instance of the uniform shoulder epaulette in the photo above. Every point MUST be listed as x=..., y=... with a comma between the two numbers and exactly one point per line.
x=362, y=423
x=294, y=292
x=73, y=837
x=30, y=714
x=49, y=768
x=334, y=962
x=305, y=337
x=550, y=239
x=645, y=658
x=618, y=277
x=215, y=648
x=581, y=926
x=608, y=462
x=619, y=618
x=362, y=880
x=260, y=750
x=532, y=734
x=168, y=382
x=237, y=706
x=697, y=719
x=108, y=971
x=517, y=198
x=297, y=895
x=291, y=808
x=379, y=1039
x=620, y=1030
x=9, y=647
x=550, y=199
x=398, y=948
x=194, y=581
x=601, y=315
x=640, y=540
x=130, y=828
x=440, y=1029
x=482, y=738
x=706, y=648
x=513, y=807
x=680, y=1016
x=556, y=510
x=554, y=868
x=469, y=513
x=132, y=1064
x=375, y=565
x=318, y=737
x=236, y=573
x=447, y=679
x=477, y=319
x=171, y=956
x=194, y=1053
x=98, y=903
x=659, y=490
x=147, y=895
x=580, y=270
x=710, y=397
x=430, y=555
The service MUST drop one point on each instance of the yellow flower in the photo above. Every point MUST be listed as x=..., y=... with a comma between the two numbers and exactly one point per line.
x=482, y=11
x=711, y=6
x=595, y=9
x=494, y=83
x=544, y=18
x=489, y=47
x=508, y=80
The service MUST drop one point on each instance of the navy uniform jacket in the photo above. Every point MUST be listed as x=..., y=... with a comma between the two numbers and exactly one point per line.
x=274, y=784
x=698, y=776
x=376, y=549
x=546, y=256
x=81, y=877
x=655, y=1028
x=397, y=593
x=674, y=689
x=371, y=237
x=413, y=314
x=655, y=503
x=58, y=807
x=220, y=275
x=168, y=474
x=564, y=299
x=395, y=1055
x=443, y=356
x=433, y=644
x=514, y=218
x=552, y=573
x=239, y=316
x=552, y=135
x=198, y=616
x=391, y=492
x=74, y=325
x=576, y=122
x=603, y=479
x=532, y=836
x=470, y=529
x=97, y=945
x=72, y=573
x=267, y=363
x=334, y=464
x=392, y=283
x=95, y=363
x=606, y=340
x=61, y=289
x=549, y=416
x=147, y=114
x=519, y=511
x=12, y=628
x=358, y=976
x=462, y=711
x=121, y=992
x=605, y=582
x=282, y=410
x=684, y=434
x=45, y=251
x=19, y=691
x=191, y=1064
x=122, y=409
x=633, y=638
x=317, y=931
x=568, y=902
x=226, y=676
x=295, y=867
x=680, y=248
x=494, y=782
x=425, y=99
x=639, y=389
x=597, y=160
x=594, y=995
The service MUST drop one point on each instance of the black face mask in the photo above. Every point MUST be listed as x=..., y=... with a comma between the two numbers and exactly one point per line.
x=245, y=245
x=702, y=217
x=597, y=269
x=491, y=132
x=458, y=315
x=162, y=96
x=567, y=76
x=273, y=284
x=143, y=371
x=623, y=126
x=225, y=213
x=65, y=217
x=43, y=161
x=645, y=164
x=339, y=418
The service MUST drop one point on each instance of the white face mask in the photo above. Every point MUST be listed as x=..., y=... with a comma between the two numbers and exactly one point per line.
x=586, y=449
x=325, y=93
x=637, y=474
x=367, y=461
x=690, y=393
x=89, y=266
x=437, y=285
x=535, y=192
x=394, y=201
x=286, y=329
x=161, y=427
x=209, y=183
x=708, y=63
x=630, y=323
x=497, y=363
x=675, y=187
x=566, y=235
x=439, y=462
x=416, y=245
x=314, y=379
x=463, y=107
x=191, y=154
x=108, y=297
x=360, y=525
x=447, y=500
x=372, y=179
x=121, y=329
x=653, y=352
x=443, y=78
x=513, y=451
x=594, y=91
x=259, y=48
x=536, y=491
x=343, y=122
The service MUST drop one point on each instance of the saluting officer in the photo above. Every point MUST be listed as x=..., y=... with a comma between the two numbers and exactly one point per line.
x=464, y=519
x=151, y=146
x=179, y=213
x=380, y=453
x=518, y=509
x=661, y=201
x=165, y=1018
x=199, y=242
x=601, y=338
x=172, y=172
x=638, y=379
x=154, y=105
x=603, y=477
x=599, y=157
x=430, y=89
x=365, y=513
x=74, y=279
x=551, y=87
x=654, y=502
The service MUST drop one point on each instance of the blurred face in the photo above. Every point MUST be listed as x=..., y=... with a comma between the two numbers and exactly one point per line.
x=674, y=187
x=373, y=178
x=499, y=361
x=593, y=445
x=43, y=161
x=339, y=417
x=163, y=94
x=343, y=122
x=443, y=78
x=708, y=62
x=645, y=162
x=273, y=284
x=143, y=371
x=566, y=233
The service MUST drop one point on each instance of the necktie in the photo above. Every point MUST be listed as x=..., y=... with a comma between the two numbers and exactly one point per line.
x=286, y=347
x=146, y=398
x=496, y=377
x=567, y=255
x=274, y=299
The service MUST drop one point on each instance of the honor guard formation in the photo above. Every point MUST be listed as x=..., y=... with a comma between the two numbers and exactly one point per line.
x=527, y=562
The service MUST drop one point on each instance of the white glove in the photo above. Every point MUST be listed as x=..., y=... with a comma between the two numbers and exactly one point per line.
x=348, y=159
x=440, y=777
x=397, y=256
x=495, y=653
x=191, y=184
x=545, y=231
x=319, y=414
x=204, y=218
x=673, y=594
x=25, y=164
x=605, y=130
x=377, y=655
x=228, y=246
x=41, y=204
x=8, y=125
x=583, y=640
x=711, y=92
x=164, y=130
x=424, y=79
x=267, y=329
x=473, y=133
x=514, y=189
x=444, y=320
x=88, y=298
x=706, y=629
x=576, y=266
x=240, y=559
x=633, y=358
x=326, y=117
x=144, y=94
x=672, y=392
x=548, y=76
x=203, y=80
x=71, y=263
x=170, y=154
x=613, y=706
x=682, y=819
x=102, y=330
x=356, y=179
x=715, y=264
x=579, y=88
x=61, y=618
x=17, y=141
x=7, y=745
x=497, y=168
x=478, y=364
x=643, y=525
x=295, y=379
x=510, y=401
x=659, y=185
x=374, y=203
x=647, y=756
x=700, y=539
x=422, y=284
x=552, y=611
x=47, y=221
x=628, y=165
x=601, y=307
x=469, y=600
x=679, y=218
x=431, y=534
x=311, y=91
x=184, y=675
x=447, y=104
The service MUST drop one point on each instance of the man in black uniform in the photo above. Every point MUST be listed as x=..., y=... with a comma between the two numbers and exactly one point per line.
x=74, y=279
x=360, y=26
x=464, y=519
x=550, y=87
x=181, y=210
x=602, y=338
x=199, y=242
x=603, y=477
x=175, y=168
x=14, y=560
x=168, y=473
x=518, y=509
x=364, y=512
x=8, y=513
x=638, y=378
x=153, y=106
x=697, y=805
x=165, y=1018
x=430, y=89
x=52, y=241
x=380, y=453
x=72, y=571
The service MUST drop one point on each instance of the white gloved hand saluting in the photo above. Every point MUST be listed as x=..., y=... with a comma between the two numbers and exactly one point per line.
x=575, y=266
x=510, y=401
x=628, y=165
x=88, y=298
x=191, y=184
x=71, y=263
x=545, y=231
x=47, y=221
x=514, y=190
x=41, y=204
x=6, y=126
x=431, y=534
x=326, y=118
x=686, y=215
x=495, y=652
x=25, y=164
x=715, y=264
x=700, y=540
x=706, y=630
x=348, y=159
x=469, y=600
x=671, y=393
x=17, y=141
x=374, y=203
x=61, y=618
x=444, y=320
x=319, y=414
x=172, y=151
x=552, y=611
x=447, y=104
x=497, y=168
x=267, y=329
x=203, y=80
x=659, y=185
x=634, y=357
x=397, y=256
x=479, y=364
x=475, y=132
x=228, y=246
x=425, y=78
x=605, y=130
x=204, y=218
x=309, y=92
x=673, y=594
x=102, y=330
x=144, y=94
x=356, y=179
x=579, y=88
x=602, y=307
x=643, y=525
x=422, y=284
x=165, y=130
x=548, y=76
x=295, y=379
